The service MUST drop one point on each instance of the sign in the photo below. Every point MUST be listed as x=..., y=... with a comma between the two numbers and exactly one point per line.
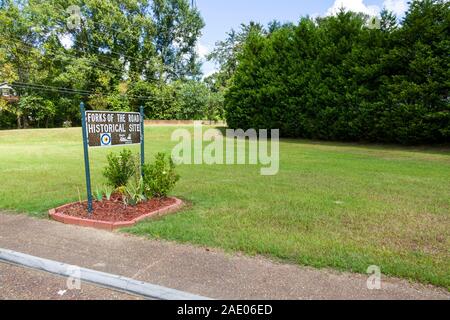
x=106, y=129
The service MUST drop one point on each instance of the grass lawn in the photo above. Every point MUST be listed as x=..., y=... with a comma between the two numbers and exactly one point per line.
x=331, y=205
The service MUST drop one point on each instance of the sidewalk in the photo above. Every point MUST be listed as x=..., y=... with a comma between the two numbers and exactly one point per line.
x=210, y=273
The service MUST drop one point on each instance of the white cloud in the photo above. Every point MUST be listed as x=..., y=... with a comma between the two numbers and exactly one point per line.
x=202, y=50
x=353, y=5
x=399, y=7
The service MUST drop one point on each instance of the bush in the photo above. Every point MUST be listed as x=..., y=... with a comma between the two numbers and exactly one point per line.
x=121, y=167
x=159, y=177
x=134, y=192
x=334, y=79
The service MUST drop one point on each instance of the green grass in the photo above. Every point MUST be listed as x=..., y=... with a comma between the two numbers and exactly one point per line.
x=345, y=206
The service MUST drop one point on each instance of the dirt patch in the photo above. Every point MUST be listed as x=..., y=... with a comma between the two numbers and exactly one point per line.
x=115, y=210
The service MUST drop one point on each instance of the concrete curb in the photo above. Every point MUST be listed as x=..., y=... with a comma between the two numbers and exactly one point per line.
x=108, y=225
x=112, y=281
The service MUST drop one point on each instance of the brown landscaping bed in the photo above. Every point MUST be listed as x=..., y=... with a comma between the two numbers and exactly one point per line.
x=113, y=214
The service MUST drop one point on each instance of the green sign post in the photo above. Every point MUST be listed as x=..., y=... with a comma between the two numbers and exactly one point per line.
x=86, y=158
x=107, y=129
x=141, y=109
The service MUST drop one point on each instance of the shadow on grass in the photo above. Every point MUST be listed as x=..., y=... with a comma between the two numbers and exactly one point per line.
x=439, y=149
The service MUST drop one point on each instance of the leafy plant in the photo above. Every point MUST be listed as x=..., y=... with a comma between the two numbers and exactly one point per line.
x=108, y=191
x=98, y=194
x=159, y=177
x=79, y=195
x=121, y=190
x=134, y=192
x=121, y=167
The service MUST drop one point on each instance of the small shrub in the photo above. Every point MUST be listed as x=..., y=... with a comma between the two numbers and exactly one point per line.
x=159, y=177
x=121, y=167
x=98, y=194
x=121, y=190
x=79, y=196
x=67, y=124
x=134, y=192
x=108, y=191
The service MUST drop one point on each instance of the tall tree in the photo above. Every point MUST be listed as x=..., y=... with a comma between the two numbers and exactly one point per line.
x=108, y=53
x=337, y=78
x=178, y=27
x=226, y=52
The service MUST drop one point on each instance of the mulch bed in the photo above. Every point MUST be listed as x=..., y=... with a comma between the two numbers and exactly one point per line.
x=115, y=210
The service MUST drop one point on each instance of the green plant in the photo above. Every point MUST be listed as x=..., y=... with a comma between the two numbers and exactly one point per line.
x=134, y=192
x=98, y=194
x=373, y=86
x=406, y=197
x=121, y=167
x=121, y=190
x=108, y=191
x=79, y=195
x=159, y=177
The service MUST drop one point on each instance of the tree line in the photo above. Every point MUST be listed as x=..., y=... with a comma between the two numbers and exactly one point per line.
x=340, y=78
x=113, y=55
x=345, y=77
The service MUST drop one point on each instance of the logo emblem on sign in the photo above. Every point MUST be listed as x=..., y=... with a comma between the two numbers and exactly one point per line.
x=105, y=139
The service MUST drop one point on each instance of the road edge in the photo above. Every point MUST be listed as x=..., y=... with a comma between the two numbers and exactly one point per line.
x=104, y=279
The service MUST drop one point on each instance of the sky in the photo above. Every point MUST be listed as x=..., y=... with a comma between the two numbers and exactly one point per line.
x=222, y=15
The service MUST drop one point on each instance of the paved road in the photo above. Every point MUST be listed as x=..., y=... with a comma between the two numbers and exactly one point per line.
x=206, y=272
x=18, y=283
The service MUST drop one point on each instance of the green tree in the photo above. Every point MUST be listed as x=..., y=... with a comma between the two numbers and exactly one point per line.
x=335, y=79
x=178, y=27
x=226, y=53
x=35, y=109
x=118, y=56
x=192, y=97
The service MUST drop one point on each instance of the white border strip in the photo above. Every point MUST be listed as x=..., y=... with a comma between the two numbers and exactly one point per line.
x=125, y=284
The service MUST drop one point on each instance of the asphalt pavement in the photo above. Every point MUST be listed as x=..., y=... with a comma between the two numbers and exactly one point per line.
x=19, y=283
x=198, y=270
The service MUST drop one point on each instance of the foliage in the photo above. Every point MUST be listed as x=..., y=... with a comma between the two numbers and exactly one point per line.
x=108, y=191
x=36, y=108
x=192, y=97
x=335, y=79
x=214, y=109
x=117, y=47
x=98, y=193
x=177, y=28
x=163, y=105
x=159, y=177
x=184, y=100
x=7, y=117
x=121, y=167
x=134, y=192
x=400, y=205
x=226, y=53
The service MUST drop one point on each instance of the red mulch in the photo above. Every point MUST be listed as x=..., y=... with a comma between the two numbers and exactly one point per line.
x=115, y=210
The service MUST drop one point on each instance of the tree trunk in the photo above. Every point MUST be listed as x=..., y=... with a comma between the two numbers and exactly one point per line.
x=19, y=123
x=25, y=122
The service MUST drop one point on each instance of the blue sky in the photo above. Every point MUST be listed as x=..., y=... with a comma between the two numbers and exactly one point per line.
x=222, y=15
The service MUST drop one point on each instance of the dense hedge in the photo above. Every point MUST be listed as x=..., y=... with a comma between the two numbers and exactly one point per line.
x=335, y=79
